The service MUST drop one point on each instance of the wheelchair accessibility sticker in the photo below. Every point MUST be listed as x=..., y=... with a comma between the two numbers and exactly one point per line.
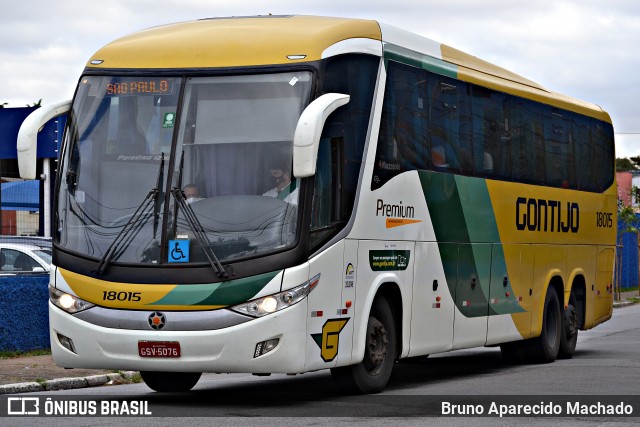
x=178, y=250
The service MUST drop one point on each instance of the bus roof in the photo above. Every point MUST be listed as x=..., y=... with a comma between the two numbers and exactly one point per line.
x=272, y=40
x=232, y=42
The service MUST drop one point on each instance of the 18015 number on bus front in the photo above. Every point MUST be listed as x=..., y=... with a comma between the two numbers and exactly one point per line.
x=121, y=296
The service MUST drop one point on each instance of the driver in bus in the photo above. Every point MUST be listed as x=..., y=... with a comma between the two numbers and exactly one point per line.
x=284, y=188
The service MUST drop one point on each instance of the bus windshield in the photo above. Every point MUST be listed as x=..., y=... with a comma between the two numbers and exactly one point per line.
x=225, y=142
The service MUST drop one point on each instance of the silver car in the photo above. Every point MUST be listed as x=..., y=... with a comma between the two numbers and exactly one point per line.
x=18, y=258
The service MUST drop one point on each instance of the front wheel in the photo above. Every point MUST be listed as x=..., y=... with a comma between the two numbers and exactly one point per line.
x=170, y=381
x=372, y=374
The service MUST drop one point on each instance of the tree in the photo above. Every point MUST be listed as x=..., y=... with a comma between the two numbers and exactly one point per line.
x=627, y=165
x=36, y=104
x=3, y=104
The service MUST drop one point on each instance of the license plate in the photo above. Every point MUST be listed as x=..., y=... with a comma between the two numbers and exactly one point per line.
x=163, y=349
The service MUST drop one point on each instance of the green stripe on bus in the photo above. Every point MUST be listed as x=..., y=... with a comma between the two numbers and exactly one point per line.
x=426, y=62
x=469, y=242
x=223, y=293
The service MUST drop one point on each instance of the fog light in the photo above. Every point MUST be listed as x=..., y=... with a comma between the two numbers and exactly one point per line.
x=265, y=347
x=67, y=343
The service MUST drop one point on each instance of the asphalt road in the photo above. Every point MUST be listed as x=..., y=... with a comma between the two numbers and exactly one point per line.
x=606, y=368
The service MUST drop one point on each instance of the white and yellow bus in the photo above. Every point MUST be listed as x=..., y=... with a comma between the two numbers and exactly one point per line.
x=357, y=194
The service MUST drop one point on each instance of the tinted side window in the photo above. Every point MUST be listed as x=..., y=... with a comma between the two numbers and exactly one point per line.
x=527, y=142
x=450, y=123
x=491, y=133
x=558, y=148
x=435, y=122
x=584, y=153
x=404, y=134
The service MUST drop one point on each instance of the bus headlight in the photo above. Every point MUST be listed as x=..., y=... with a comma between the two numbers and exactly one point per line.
x=67, y=302
x=272, y=303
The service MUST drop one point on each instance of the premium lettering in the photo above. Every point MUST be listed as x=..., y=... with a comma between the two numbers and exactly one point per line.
x=395, y=211
x=551, y=216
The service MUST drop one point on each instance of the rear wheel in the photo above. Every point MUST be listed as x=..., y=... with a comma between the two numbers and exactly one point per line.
x=170, y=381
x=372, y=374
x=570, y=326
x=545, y=348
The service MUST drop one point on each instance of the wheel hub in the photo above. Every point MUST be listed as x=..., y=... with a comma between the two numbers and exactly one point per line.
x=571, y=321
x=377, y=344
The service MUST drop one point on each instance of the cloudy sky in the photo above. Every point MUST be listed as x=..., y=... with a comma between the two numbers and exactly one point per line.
x=588, y=49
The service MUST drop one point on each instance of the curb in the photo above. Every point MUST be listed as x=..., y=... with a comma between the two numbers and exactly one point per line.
x=622, y=304
x=66, y=383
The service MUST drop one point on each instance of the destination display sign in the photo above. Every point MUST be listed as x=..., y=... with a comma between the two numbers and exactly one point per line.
x=141, y=86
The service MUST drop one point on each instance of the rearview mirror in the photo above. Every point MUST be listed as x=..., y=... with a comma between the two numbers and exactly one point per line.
x=307, y=135
x=27, y=144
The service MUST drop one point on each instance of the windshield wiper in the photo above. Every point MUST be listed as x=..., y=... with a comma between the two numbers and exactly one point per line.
x=135, y=222
x=159, y=197
x=199, y=233
x=195, y=225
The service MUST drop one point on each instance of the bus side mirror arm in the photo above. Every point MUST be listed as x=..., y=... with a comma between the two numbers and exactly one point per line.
x=27, y=144
x=307, y=135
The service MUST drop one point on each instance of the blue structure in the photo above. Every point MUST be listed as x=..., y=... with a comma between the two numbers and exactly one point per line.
x=21, y=195
x=24, y=323
x=48, y=140
x=628, y=255
x=24, y=317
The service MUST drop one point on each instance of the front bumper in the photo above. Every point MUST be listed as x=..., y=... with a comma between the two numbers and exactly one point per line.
x=226, y=350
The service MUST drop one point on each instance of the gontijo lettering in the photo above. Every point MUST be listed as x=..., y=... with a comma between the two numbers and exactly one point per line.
x=547, y=215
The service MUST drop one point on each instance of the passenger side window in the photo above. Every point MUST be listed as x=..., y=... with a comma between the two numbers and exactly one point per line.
x=559, y=149
x=450, y=126
x=527, y=142
x=431, y=121
x=491, y=133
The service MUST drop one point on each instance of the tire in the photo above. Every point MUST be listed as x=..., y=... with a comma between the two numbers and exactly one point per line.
x=569, y=333
x=372, y=374
x=545, y=348
x=170, y=381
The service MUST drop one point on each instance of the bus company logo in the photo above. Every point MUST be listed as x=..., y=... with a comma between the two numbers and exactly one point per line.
x=329, y=339
x=157, y=320
x=547, y=215
x=396, y=214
